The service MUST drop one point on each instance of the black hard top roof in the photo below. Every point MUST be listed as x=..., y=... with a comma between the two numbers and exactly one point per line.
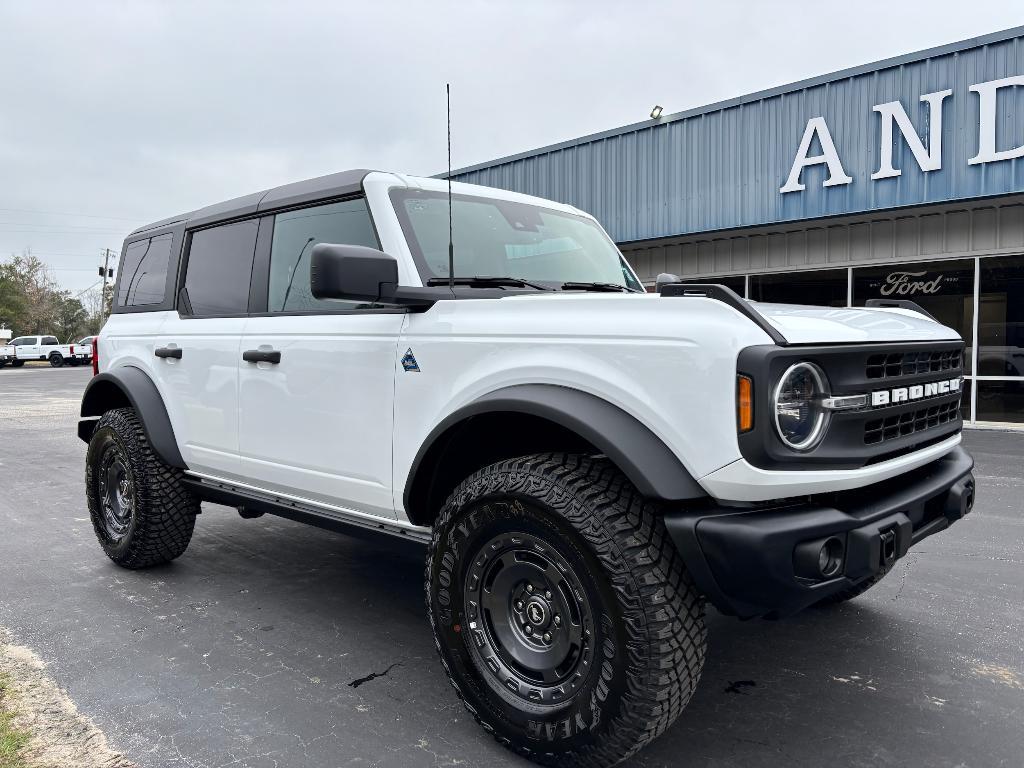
x=285, y=196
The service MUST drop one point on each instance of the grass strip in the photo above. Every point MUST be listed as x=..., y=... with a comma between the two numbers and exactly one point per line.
x=12, y=740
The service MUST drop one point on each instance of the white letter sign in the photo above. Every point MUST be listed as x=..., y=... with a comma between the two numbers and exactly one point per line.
x=929, y=159
x=987, y=96
x=829, y=157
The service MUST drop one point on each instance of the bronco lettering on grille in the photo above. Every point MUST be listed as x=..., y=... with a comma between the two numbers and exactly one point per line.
x=915, y=392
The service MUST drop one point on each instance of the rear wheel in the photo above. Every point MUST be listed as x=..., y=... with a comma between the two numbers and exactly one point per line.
x=141, y=512
x=561, y=610
x=56, y=360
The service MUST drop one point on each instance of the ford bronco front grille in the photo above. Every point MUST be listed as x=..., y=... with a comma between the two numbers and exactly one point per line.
x=917, y=402
x=909, y=422
x=886, y=366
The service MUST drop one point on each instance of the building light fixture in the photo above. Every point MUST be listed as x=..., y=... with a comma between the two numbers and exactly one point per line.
x=656, y=112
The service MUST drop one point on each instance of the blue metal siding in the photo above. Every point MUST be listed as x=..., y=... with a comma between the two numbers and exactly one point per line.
x=721, y=167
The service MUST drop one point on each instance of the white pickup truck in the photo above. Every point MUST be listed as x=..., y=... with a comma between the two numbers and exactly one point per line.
x=48, y=348
x=6, y=354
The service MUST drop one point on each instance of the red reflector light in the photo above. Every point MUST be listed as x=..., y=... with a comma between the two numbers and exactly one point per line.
x=95, y=355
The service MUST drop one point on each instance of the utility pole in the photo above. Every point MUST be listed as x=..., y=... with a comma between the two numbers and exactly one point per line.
x=106, y=273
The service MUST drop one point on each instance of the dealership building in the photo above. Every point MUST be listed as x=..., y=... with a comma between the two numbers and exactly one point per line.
x=899, y=179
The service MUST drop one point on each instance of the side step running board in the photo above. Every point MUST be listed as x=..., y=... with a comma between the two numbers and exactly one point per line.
x=726, y=296
x=301, y=510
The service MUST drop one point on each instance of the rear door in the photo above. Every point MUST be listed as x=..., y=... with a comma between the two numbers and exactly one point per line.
x=198, y=345
x=317, y=413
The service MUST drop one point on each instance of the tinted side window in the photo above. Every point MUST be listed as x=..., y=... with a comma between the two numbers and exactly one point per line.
x=50, y=340
x=295, y=234
x=22, y=341
x=144, y=272
x=219, y=269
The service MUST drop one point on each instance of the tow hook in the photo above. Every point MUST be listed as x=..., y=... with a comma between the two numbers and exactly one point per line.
x=888, y=548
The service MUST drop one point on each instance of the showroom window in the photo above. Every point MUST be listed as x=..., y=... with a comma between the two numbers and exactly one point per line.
x=824, y=287
x=943, y=288
x=1001, y=339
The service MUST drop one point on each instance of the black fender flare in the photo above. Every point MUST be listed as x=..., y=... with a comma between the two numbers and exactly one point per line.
x=641, y=455
x=129, y=385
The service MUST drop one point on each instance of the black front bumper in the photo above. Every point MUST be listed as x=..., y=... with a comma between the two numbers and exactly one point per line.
x=746, y=560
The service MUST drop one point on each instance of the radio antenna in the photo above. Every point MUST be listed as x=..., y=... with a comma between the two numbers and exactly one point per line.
x=451, y=241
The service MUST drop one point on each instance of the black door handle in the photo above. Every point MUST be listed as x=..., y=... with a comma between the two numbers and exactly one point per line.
x=174, y=352
x=262, y=356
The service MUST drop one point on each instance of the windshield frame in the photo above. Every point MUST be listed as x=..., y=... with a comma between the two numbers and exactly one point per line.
x=398, y=195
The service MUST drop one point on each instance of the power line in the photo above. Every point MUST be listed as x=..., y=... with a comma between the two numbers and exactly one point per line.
x=79, y=232
x=83, y=227
x=78, y=295
x=58, y=213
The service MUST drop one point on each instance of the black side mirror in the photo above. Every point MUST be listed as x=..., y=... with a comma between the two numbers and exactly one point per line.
x=352, y=272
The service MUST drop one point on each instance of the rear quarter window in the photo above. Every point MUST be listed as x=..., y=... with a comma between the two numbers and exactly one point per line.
x=144, y=265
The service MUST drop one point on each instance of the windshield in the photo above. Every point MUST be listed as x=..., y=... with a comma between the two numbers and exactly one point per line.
x=499, y=238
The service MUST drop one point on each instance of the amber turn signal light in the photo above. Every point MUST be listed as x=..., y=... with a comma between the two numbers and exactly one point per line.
x=744, y=403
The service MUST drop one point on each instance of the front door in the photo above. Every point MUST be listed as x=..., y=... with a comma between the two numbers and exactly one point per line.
x=316, y=387
x=317, y=410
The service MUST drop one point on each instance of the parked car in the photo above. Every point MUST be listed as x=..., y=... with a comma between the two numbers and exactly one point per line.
x=83, y=349
x=587, y=462
x=48, y=348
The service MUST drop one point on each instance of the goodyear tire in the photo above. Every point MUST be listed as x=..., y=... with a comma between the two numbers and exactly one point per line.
x=561, y=610
x=141, y=512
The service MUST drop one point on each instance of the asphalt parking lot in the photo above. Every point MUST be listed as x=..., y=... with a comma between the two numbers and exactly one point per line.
x=274, y=644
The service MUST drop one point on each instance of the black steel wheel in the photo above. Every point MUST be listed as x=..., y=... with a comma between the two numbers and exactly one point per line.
x=116, y=490
x=561, y=610
x=141, y=512
x=530, y=617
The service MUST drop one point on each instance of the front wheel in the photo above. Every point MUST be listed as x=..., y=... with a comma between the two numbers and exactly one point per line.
x=561, y=610
x=141, y=511
x=17, y=363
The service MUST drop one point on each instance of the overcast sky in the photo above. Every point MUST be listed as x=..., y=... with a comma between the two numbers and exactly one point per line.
x=126, y=112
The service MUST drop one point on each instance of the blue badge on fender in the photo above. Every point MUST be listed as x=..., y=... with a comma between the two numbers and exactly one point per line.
x=409, y=361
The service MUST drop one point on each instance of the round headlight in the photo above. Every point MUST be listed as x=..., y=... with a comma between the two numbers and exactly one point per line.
x=799, y=416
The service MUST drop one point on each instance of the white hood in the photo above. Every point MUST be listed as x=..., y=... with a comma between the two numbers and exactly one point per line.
x=829, y=325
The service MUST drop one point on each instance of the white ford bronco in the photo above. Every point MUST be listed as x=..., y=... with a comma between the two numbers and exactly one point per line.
x=589, y=463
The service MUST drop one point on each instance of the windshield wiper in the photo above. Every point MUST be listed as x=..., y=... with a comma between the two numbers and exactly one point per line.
x=488, y=281
x=601, y=287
